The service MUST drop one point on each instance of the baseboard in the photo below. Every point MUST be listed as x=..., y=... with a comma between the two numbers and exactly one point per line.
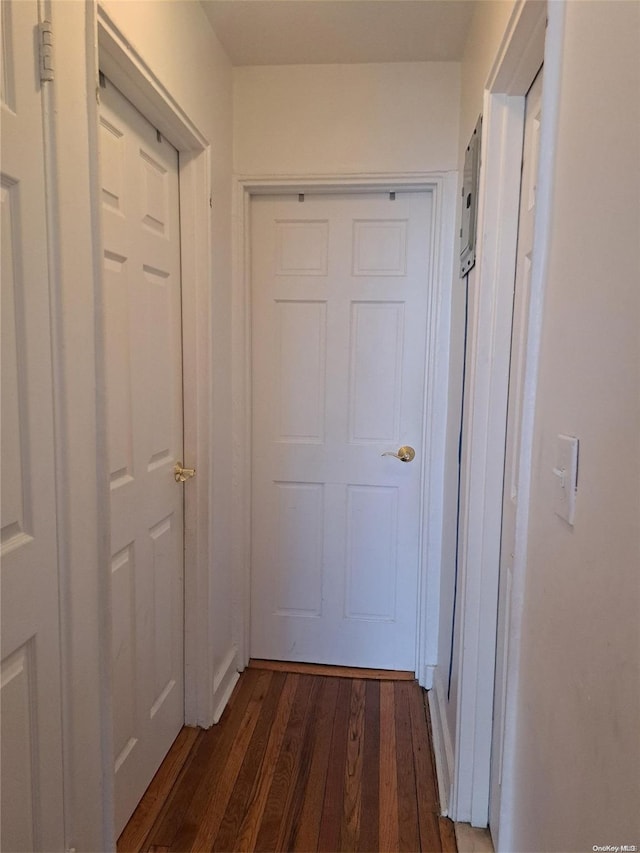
x=427, y=678
x=224, y=681
x=442, y=744
x=331, y=670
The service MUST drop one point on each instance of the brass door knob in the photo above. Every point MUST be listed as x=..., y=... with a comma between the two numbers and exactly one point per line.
x=181, y=475
x=404, y=454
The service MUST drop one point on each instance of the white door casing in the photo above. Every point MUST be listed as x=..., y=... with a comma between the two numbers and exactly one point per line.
x=340, y=312
x=143, y=359
x=527, y=40
x=528, y=190
x=32, y=780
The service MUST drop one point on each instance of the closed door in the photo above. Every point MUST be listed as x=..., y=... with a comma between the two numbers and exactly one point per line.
x=143, y=363
x=32, y=803
x=533, y=116
x=340, y=300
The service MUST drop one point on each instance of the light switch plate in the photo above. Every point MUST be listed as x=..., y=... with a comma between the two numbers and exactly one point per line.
x=566, y=477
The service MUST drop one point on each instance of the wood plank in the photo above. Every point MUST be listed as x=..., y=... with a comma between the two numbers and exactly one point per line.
x=408, y=829
x=220, y=792
x=178, y=824
x=423, y=761
x=308, y=826
x=286, y=769
x=350, y=829
x=250, y=826
x=389, y=834
x=211, y=759
x=447, y=835
x=331, y=821
x=251, y=768
x=426, y=777
x=300, y=776
x=333, y=671
x=369, y=824
x=139, y=826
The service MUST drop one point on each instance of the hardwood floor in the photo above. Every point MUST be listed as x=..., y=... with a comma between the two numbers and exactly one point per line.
x=300, y=761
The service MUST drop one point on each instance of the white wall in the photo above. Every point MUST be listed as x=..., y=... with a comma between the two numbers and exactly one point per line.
x=335, y=119
x=487, y=28
x=576, y=779
x=176, y=41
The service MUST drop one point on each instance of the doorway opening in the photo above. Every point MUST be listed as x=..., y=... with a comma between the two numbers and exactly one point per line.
x=441, y=190
x=340, y=314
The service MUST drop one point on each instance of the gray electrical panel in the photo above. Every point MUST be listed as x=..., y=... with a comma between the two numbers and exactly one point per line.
x=470, y=201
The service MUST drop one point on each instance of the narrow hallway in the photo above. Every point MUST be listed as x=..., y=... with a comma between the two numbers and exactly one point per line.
x=300, y=761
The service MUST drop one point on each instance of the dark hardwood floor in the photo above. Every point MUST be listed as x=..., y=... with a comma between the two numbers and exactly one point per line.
x=300, y=761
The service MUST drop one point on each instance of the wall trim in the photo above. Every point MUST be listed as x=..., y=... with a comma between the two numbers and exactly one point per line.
x=82, y=497
x=517, y=61
x=520, y=53
x=490, y=347
x=128, y=70
x=443, y=186
x=442, y=742
x=553, y=49
x=225, y=679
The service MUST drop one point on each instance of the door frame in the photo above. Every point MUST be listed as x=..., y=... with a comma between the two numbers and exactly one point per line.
x=524, y=46
x=443, y=187
x=128, y=71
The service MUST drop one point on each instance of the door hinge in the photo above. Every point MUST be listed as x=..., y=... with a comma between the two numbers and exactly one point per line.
x=46, y=51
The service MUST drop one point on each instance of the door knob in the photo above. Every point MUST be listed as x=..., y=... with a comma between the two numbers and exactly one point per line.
x=404, y=454
x=181, y=475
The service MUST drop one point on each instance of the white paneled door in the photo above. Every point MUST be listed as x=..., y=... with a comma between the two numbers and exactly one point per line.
x=143, y=348
x=32, y=803
x=340, y=299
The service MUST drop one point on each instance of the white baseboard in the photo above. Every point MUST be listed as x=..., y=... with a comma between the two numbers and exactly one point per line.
x=224, y=681
x=427, y=677
x=442, y=743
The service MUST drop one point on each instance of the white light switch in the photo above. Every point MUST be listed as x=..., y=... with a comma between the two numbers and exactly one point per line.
x=566, y=477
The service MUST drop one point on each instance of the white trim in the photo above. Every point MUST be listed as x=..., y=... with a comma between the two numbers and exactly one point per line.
x=137, y=81
x=429, y=676
x=517, y=62
x=195, y=180
x=63, y=476
x=443, y=185
x=520, y=53
x=225, y=679
x=129, y=72
x=543, y=230
x=435, y=422
x=81, y=485
x=489, y=351
x=241, y=420
x=442, y=744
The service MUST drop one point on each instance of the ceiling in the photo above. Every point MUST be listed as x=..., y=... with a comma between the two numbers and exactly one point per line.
x=294, y=32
